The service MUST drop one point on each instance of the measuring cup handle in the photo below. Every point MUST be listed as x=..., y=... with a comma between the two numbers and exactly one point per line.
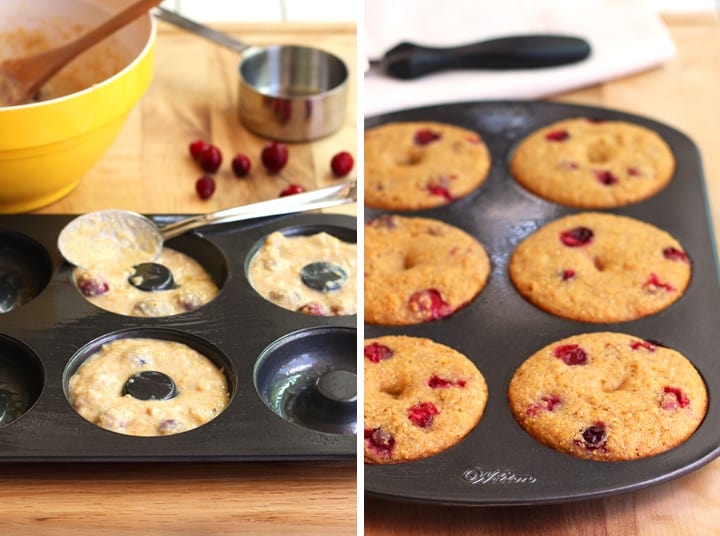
x=331, y=196
x=199, y=29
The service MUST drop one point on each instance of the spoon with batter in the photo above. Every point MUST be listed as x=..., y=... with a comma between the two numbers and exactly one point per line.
x=22, y=78
x=121, y=236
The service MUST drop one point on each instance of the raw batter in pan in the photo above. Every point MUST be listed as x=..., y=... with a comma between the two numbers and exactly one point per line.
x=111, y=287
x=148, y=387
x=314, y=274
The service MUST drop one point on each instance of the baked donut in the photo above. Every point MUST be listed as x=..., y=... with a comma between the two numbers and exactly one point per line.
x=421, y=398
x=597, y=267
x=589, y=163
x=608, y=396
x=419, y=270
x=418, y=165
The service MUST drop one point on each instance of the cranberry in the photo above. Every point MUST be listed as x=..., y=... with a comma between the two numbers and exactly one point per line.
x=633, y=171
x=422, y=414
x=197, y=147
x=189, y=301
x=170, y=426
x=674, y=254
x=210, y=158
x=653, y=283
x=274, y=156
x=595, y=436
x=673, y=398
x=579, y=236
x=292, y=189
x=568, y=274
x=425, y=136
x=571, y=354
x=376, y=352
x=205, y=187
x=605, y=177
x=557, y=135
x=436, y=382
x=547, y=403
x=90, y=286
x=441, y=191
x=647, y=345
x=312, y=308
x=341, y=164
x=241, y=165
x=380, y=441
x=430, y=301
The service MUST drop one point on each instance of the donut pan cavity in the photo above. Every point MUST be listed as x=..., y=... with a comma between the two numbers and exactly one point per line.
x=46, y=337
x=498, y=463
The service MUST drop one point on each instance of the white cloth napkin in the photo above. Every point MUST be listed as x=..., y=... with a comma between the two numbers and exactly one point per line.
x=626, y=36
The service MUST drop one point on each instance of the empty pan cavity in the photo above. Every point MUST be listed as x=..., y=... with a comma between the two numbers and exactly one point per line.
x=309, y=378
x=25, y=270
x=21, y=379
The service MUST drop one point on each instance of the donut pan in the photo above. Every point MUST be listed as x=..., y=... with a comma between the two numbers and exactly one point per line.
x=288, y=372
x=498, y=463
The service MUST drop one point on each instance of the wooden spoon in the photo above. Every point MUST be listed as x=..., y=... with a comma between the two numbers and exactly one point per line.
x=22, y=78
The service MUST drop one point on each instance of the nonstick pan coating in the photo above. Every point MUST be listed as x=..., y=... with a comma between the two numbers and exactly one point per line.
x=498, y=463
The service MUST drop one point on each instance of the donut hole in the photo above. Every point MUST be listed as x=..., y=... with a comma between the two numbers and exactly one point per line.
x=601, y=151
x=599, y=264
x=410, y=261
x=619, y=381
x=410, y=158
x=394, y=388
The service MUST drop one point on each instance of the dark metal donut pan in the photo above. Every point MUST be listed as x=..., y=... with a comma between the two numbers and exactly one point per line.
x=265, y=351
x=498, y=463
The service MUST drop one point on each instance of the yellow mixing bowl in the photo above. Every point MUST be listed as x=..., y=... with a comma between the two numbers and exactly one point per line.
x=47, y=146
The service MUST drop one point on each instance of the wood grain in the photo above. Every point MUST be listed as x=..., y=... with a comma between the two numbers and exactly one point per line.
x=684, y=94
x=194, y=95
x=148, y=169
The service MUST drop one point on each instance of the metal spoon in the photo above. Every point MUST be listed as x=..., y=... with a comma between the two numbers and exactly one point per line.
x=121, y=236
x=21, y=78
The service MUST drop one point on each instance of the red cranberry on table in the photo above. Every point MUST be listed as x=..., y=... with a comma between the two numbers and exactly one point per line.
x=241, y=165
x=197, y=147
x=274, y=156
x=210, y=158
x=205, y=186
x=342, y=163
x=292, y=189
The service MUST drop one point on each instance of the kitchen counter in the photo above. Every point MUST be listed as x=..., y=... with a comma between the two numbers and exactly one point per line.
x=684, y=94
x=148, y=169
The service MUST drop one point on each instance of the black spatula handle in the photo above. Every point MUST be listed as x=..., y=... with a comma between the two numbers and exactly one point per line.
x=408, y=60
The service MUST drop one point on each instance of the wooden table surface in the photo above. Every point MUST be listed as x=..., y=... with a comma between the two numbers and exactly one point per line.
x=148, y=169
x=685, y=93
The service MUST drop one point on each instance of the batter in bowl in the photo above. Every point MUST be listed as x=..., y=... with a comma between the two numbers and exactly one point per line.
x=314, y=274
x=148, y=387
x=109, y=287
